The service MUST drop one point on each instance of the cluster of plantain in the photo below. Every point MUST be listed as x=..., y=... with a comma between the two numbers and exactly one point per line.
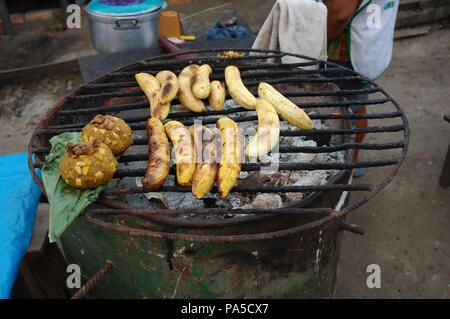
x=192, y=144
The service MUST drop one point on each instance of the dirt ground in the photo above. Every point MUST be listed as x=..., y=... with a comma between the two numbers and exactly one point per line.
x=22, y=106
x=407, y=230
x=407, y=225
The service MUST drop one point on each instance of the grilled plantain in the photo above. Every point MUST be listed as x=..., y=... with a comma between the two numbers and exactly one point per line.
x=217, y=95
x=151, y=87
x=237, y=89
x=206, y=159
x=169, y=86
x=185, y=95
x=200, y=82
x=287, y=110
x=232, y=155
x=268, y=130
x=159, y=156
x=183, y=146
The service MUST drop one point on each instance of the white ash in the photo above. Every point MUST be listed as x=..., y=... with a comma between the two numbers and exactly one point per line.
x=264, y=201
x=243, y=175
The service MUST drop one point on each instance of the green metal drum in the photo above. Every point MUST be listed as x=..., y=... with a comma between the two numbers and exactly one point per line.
x=301, y=265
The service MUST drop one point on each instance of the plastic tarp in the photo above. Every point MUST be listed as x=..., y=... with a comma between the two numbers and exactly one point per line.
x=220, y=31
x=19, y=198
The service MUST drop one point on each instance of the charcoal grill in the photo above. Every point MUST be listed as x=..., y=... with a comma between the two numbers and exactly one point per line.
x=312, y=226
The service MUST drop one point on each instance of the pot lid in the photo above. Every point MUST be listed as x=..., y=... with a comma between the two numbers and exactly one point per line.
x=123, y=7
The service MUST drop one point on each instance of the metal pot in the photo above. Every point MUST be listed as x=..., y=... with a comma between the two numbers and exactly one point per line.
x=124, y=31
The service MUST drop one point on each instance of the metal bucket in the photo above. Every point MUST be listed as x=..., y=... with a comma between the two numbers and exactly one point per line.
x=111, y=33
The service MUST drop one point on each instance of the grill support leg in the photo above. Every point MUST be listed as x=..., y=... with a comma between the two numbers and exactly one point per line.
x=352, y=228
x=7, y=25
x=444, y=180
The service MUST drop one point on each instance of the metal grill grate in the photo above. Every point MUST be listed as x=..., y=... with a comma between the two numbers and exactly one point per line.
x=118, y=92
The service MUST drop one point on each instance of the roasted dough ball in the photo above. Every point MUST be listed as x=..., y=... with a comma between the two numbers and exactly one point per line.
x=112, y=131
x=87, y=165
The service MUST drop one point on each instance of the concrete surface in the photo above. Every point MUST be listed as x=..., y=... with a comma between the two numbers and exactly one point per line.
x=406, y=226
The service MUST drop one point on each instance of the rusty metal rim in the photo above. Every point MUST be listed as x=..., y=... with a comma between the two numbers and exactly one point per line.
x=211, y=238
x=262, y=236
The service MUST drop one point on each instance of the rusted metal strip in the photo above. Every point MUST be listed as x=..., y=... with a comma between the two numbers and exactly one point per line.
x=81, y=293
x=216, y=211
x=352, y=228
x=210, y=238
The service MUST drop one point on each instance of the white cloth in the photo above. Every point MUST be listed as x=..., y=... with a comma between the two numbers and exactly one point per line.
x=372, y=36
x=295, y=26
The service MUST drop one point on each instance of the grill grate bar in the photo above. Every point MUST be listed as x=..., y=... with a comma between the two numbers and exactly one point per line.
x=145, y=104
x=282, y=149
x=340, y=147
x=260, y=66
x=248, y=84
x=342, y=103
x=251, y=167
x=169, y=63
x=335, y=116
x=249, y=189
x=298, y=149
x=141, y=126
x=255, y=66
x=107, y=94
x=217, y=76
x=100, y=109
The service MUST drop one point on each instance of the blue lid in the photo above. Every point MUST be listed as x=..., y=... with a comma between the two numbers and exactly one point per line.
x=123, y=7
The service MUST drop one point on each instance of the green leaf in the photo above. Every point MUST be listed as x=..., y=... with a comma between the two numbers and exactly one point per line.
x=66, y=202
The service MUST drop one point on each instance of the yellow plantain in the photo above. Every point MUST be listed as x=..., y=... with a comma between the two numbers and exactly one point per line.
x=185, y=94
x=206, y=159
x=287, y=110
x=232, y=155
x=151, y=87
x=183, y=146
x=159, y=156
x=200, y=82
x=217, y=95
x=169, y=86
x=237, y=89
x=268, y=130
